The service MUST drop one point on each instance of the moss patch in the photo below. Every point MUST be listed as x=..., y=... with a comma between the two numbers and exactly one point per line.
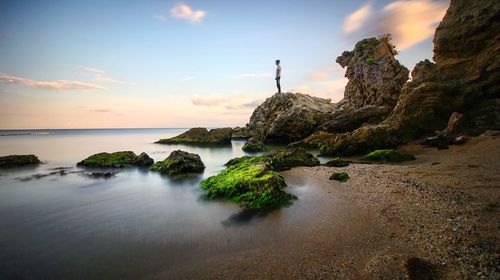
x=249, y=182
x=18, y=161
x=340, y=176
x=388, y=156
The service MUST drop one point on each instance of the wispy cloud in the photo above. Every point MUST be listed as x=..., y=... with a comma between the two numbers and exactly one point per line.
x=48, y=85
x=92, y=70
x=254, y=75
x=208, y=101
x=409, y=21
x=183, y=11
x=327, y=72
x=187, y=79
x=101, y=110
x=355, y=21
x=100, y=77
x=161, y=18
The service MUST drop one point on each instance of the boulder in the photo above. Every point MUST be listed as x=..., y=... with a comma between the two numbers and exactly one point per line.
x=349, y=120
x=464, y=79
x=339, y=176
x=179, y=162
x=240, y=133
x=250, y=183
x=286, y=117
x=18, y=161
x=288, y=158
x=116, y=160
x=337, y=162
x=201, y=136
x=253, y=146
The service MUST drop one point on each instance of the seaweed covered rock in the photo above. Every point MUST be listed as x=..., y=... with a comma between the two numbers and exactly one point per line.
x=253, y=146
x=250, y=183
x=18, y=161
x=464, y=79
x=388, y=156
x=340, y=176
x=288, y=158
x=179, y=162
x=201, y=136
x=116, y=160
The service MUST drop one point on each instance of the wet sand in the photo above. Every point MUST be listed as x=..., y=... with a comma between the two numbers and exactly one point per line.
x=436, y=217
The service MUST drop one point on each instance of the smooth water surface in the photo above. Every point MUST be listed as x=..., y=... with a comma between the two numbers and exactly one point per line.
x=133, y=225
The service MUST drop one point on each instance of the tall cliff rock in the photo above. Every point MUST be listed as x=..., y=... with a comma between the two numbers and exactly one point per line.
x=463, y=79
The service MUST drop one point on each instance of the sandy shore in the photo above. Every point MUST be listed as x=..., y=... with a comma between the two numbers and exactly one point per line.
x=436, y=217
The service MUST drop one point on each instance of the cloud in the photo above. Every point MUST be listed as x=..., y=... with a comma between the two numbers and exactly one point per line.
x=48, y=85
x=187, y=79
x=183, y=11
x=254, y=75
x=92, y=70
x=208, y=101
x=327, y=72
x=161, y=18
x=409, y=21
x=355, y=21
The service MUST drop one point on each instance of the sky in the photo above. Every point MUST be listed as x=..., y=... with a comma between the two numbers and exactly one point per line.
x=152, y=63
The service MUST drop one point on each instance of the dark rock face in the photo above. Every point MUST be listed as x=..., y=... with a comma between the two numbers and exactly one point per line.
x=464, y=79
x=287, y=116
x=18, y=161
x=179, y=162
x=241, y=133
x=348, y=121
x=116, y=160
x=201, y=136
x=375, y=77
x=288, y=158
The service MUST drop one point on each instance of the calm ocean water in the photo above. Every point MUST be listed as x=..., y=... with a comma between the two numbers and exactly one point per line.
x=131, y=226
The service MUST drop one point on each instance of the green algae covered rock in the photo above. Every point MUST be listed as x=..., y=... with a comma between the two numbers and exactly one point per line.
x=179, y=162
x=18, y=161
x=337, y=162
x=340, y=176
x=253, y=146
x=201, y=136
x=116, y=160
x=249, y=182
x=388, y=156
x=292, y=157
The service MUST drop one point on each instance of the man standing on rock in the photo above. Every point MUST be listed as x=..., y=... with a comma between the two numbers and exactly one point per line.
x=278, y=75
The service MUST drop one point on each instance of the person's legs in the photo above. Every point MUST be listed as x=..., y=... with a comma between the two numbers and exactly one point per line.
x=278, y=85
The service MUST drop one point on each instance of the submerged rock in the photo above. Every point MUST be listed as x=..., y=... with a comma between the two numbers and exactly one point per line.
x=179, y=162
x=249, y=182
x=388, y=156
x=340, y=176
x=288, y=158
x=18, y=161
x=116, y=160
x=201, y=136
x=253, y=146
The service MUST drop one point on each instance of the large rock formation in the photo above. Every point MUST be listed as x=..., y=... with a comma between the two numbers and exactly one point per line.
x=463, y=79
x=201, y=136
x=287, y=117
x=117, y=160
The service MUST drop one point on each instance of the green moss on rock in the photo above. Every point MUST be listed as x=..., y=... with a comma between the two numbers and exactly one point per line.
x=201, y=136
x=253, y=146
x=337, y=162
x=388, y=156
x=18, y=161
x=250, y=183
x=340, y=176
x=116, y=160
x=179, y=162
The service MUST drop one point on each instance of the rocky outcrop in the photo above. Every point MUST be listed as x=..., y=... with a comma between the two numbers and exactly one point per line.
x=18, y=161
x=253, y=145
x=288, y=158
x=349, y=120
x=286, y=117
x=179, y=162
x=464, y=79
x=116, y=160
x=201, y=136
x=375, y=77
x=241, y=133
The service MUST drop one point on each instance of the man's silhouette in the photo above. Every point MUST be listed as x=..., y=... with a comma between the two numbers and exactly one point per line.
x=278, y=75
